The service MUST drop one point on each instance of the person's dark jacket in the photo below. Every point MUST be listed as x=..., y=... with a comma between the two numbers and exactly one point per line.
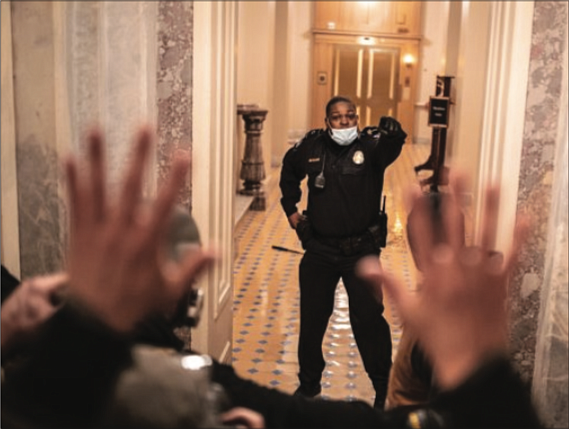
x=349, y=202
x=73, y=371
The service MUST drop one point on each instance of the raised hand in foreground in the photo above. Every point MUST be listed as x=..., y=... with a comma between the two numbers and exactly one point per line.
x=460, y=313
x=117, y=263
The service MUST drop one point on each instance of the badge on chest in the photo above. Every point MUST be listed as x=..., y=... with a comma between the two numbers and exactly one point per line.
x=358, y=157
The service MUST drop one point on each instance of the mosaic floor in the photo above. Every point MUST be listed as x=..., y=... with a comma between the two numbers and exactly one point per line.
x=266, y=309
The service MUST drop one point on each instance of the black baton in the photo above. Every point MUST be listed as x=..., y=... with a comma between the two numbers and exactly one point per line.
x=284, y=249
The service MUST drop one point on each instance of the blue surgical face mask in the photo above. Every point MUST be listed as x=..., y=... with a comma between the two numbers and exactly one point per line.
x=344, y=136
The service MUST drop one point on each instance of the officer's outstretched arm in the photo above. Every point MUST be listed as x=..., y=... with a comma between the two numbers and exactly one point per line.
x=391, y=139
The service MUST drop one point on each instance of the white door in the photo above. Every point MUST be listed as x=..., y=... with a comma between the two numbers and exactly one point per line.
x=213, y=188
x=369, y=77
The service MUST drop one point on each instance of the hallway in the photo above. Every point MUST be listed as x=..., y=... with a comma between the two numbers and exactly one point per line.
x=266, y=310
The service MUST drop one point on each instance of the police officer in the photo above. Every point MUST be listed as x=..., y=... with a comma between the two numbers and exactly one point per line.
x=341, y=225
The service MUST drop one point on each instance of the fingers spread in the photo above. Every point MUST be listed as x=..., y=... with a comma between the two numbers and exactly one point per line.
x=410, y=196
x=96, y=162
x=167, y=198
x=404, y=301
x=495, y=262
x=521, y=232
x=420, y=229
x=370, y=270
x=471, y=256
x=195, y=264
x=490, y=218
x=52, y=282
x=452, y=213
x=74, y=192
x=243, y=418
x=181, y=275
x=130, y=196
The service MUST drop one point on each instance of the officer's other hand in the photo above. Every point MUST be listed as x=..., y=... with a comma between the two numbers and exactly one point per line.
x=389, y=126
x=294, y=219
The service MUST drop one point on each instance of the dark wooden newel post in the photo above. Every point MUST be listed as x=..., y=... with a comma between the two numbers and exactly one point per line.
x=252, y=165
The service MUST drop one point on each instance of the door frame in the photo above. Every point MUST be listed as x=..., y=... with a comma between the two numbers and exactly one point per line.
x=365, y=60
x=504, y=110
x=323, y=62
x=213, y=146
x=10, y=240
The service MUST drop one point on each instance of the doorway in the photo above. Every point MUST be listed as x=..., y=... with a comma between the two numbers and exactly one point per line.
x=378, y=73
x=369, y=76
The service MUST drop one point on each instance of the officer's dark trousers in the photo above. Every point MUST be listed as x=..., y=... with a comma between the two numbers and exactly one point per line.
x=320, y=270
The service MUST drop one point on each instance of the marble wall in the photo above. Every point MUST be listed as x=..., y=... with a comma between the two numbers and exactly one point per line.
x=78, y=64
x=551, y=374
x=538, y=283
x=174, y=86
x=174, y=97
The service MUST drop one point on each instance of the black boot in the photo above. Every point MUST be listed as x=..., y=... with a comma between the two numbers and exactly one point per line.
x=379, y=402
x=380, y=387
x=308, y=390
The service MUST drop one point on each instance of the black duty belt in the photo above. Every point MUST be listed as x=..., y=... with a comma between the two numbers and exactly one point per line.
x=354, y=245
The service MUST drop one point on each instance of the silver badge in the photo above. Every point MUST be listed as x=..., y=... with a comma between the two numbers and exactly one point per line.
x=358, y=157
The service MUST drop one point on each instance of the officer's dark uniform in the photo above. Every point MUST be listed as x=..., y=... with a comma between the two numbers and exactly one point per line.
x=335, y=236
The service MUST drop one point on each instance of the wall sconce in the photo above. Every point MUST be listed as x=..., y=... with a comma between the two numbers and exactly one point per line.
x=408, y=60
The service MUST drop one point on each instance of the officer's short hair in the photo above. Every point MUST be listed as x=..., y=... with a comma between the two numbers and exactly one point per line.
x=335, y=100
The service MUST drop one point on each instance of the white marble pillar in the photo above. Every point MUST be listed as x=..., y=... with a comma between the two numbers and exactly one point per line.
x=76, y=64
x=110, y=57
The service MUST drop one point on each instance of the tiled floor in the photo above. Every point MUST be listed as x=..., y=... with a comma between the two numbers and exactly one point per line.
x=266, y=315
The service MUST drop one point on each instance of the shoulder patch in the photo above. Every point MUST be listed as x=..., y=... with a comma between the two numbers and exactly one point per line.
x=310, y=135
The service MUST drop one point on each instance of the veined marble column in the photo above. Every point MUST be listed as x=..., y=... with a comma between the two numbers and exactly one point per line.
x=174, y=86
x=76, y=64
x=174, y=97
x=539, y=339
x=551, y=371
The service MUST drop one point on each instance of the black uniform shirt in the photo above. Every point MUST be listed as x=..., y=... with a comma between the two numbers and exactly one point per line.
x=350, y=200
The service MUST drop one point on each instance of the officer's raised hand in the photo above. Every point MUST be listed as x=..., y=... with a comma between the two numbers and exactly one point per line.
x=389, y=126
